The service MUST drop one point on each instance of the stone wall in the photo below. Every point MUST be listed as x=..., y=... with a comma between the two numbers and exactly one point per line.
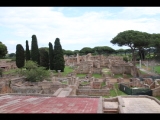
x=98, y=92
x=121, y=69
x=156, y=92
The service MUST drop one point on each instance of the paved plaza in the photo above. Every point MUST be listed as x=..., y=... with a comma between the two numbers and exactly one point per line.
x=140, y=105
x=38, y=104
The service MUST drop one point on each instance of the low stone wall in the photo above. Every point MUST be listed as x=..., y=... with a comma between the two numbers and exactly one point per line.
x=16, y=80
x=121, y=69
x=26, y=89
x=98, y=92
x=84, y=87
x=156, y=92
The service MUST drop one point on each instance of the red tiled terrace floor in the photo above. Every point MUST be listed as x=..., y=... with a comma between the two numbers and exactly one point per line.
x=38, y=104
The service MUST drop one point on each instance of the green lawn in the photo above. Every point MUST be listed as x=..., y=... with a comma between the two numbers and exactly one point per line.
x=97, y=75
x=157, y=69
x=119, y=92
x=10, y=71
x=67, y=70
x=81, y=75
x=120, y=75
x=142, y=72
x=113, y=92
x=84, y=83
x=158, y=97
x=5, y=59
x=103, y=84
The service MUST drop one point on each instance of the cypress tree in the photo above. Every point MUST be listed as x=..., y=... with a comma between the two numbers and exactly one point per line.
x=27, y=51
x=35, y=56
x=51, y=63
x=44, y=58
x=20, y=57
x=59, y=63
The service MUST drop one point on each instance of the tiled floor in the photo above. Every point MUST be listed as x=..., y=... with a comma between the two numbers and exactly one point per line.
x=140, y=105
x=35, y=104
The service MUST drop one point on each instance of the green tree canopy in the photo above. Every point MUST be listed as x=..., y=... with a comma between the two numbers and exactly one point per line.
x=86, y=50
x=76, y=52
x=3, y=50
x=11, y=55
x=46, y=48
x=103, y=50
x=132, y=39
x=68, y=52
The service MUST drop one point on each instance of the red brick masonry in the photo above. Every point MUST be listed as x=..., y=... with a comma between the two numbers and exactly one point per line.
x=37, y=104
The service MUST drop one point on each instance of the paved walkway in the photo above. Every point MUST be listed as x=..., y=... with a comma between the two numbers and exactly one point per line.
x=108, y=105
x=140, y=105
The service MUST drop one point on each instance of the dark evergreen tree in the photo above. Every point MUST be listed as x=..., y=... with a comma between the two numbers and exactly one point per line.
x=27, y=51
x=44, y=58
x=3, y=50
x=20, y=57
x=59, y=62
x=35, y=56
x=51, y=55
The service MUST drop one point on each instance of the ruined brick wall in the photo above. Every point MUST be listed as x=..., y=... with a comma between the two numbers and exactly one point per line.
x=97, y=70
x=121, y=69
x=156, y=92
x=98, y=92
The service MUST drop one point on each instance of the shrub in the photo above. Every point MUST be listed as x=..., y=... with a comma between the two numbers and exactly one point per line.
x=125, y=59
x=1, y=72
x=37, y=74
x=34, y=73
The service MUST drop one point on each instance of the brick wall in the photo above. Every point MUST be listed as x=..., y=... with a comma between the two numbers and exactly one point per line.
x=98, y=92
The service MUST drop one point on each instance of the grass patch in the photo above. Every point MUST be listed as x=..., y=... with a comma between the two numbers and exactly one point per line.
x=5, y=59
x=84, y=83
x=97, y=75
x=67, y=70
x=158, y=97
x=103, y=84
x=157, y=69
x=64, y=82
x=10, y=71
x=119, y=92
x=106, y=71
x=113, y=92
x=118, y=76
x=81, y=75
x=121, y=76
x=142, y=72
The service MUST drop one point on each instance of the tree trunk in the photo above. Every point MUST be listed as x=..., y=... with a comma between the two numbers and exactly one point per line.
x=134, y=63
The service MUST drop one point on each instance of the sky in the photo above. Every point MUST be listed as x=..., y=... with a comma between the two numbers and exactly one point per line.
x=76, y=27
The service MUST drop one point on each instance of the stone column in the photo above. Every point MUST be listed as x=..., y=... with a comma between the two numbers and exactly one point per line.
x=140, y=64
x=59, y=73
x=78, y=58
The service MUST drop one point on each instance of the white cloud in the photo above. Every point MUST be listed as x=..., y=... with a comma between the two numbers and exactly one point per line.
x=91, y=28
x=134, y=12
